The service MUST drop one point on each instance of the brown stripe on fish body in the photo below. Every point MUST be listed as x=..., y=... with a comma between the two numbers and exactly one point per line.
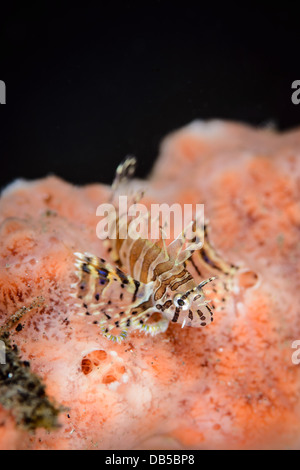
x=137, y=271
x=160, y=258
x=160, y=292
x=146, y=260
x=166, y=305
x=135, y=313
x=176, y=276
x=174, y=271
x=141, y=308
x=138, y=249
x=149, y=258
x=118, y=244
x=165, y=283
x=136, y=289
x=182, y=282
x=162, y=268
x=134, y=254
x=124, y=254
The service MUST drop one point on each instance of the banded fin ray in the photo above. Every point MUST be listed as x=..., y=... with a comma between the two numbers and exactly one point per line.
x=116, y=298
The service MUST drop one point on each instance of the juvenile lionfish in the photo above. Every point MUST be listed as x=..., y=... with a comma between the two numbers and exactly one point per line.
x=149, y=284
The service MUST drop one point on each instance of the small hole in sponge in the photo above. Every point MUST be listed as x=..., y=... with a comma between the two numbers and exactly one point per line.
x=108, y=379
x=98, y=356
x=248, y=279
x=92, y=360
x=86, y=366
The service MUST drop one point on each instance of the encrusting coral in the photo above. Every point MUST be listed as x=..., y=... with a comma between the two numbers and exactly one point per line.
x=230, y=385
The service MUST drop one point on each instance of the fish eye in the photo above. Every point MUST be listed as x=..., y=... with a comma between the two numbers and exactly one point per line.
x=180, y=302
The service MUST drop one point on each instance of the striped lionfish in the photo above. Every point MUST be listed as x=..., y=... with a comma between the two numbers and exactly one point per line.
x=149, y=284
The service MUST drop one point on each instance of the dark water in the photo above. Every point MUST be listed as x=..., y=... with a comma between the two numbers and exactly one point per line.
x=87, y=86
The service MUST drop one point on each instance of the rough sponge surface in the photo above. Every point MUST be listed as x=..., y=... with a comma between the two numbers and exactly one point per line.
x=230, y=385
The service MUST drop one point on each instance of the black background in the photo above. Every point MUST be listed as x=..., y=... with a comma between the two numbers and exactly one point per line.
x=88, y=85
